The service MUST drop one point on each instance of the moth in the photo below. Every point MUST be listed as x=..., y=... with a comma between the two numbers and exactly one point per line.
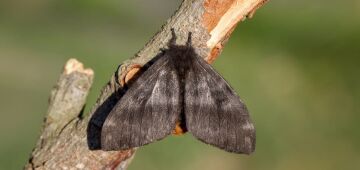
x=179, y=90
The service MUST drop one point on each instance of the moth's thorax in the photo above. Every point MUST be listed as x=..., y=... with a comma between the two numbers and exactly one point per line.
x=182, y=58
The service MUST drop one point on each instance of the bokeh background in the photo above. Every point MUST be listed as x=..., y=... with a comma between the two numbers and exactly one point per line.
x=296, y=65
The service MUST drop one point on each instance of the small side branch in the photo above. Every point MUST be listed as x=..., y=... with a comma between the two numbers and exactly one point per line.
x=66, y=102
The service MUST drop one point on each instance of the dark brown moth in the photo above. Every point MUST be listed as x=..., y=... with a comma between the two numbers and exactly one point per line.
x=179, y=87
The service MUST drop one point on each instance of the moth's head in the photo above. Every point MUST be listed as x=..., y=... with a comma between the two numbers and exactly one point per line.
x=181, y=48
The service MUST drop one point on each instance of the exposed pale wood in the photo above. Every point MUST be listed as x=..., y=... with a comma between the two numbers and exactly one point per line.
x=70, y=142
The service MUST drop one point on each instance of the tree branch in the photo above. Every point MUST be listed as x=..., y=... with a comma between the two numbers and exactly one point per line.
x=70, y=141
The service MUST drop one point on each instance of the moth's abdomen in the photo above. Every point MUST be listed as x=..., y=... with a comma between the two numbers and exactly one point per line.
x=179, y=129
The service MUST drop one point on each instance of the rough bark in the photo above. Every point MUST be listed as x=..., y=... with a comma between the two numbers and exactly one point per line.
x=69, y=141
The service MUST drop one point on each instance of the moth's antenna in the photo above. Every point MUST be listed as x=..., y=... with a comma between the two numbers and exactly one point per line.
x=173, y=38
x=188, y=43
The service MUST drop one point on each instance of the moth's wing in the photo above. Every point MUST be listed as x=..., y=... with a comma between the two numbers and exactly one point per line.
x=214, y=112
x=148, y=110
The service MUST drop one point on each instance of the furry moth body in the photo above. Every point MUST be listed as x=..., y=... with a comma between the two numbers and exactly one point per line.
x=179, y=87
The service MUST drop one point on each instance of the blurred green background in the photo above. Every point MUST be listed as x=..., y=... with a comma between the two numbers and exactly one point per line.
x=296, y=64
